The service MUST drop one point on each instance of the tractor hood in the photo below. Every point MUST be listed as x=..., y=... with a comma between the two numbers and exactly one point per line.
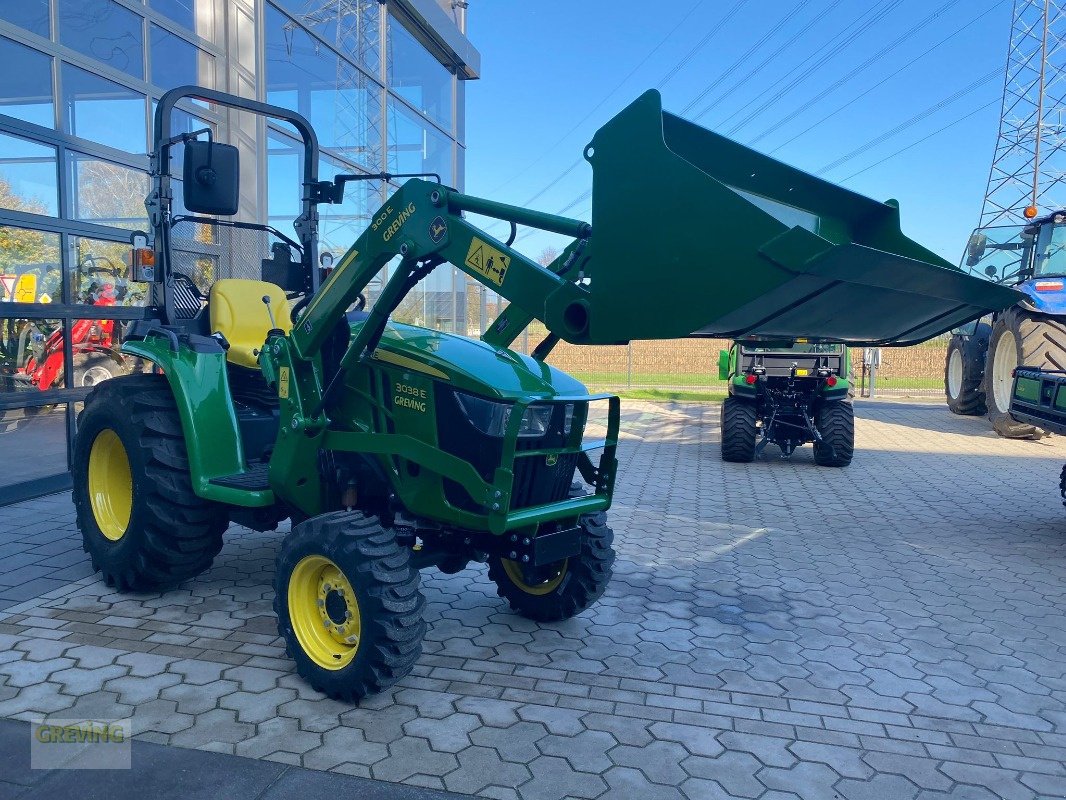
x=1046, y=295
x=472, y=365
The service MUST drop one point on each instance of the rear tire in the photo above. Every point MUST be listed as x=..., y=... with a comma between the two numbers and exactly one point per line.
x=348, y=566
x=836, y=423
x=141, y=523
x=1019, y=338
x=93, y=369
x=739, y=430
x=964, y=372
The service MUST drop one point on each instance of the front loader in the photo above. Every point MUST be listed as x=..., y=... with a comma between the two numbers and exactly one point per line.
x=392, y=447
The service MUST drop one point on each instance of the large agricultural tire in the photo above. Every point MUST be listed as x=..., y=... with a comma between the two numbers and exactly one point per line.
x=141, y=523
x=349, y=605
x=836, y=423
x=562, y=590
x=1019, y=338
x=964, y=372
x=739, y=430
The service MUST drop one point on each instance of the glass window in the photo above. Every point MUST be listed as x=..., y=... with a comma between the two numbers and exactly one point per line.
x=342, y=103
x=284, y=164
x=29, y=266
x=102, y=110
x=32, y=15
x=354, y=27
x=31, y=355
x=27, y=92
x=35, y=439
x=340, y=225
x=416, y=76
x=176, y=62
x=416, y=146
x=184, y=13
x=105, y=31
x=28, y=180
x=100, y=270
x=108, y=193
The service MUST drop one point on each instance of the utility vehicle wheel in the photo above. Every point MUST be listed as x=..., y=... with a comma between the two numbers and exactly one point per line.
x=739, y=430
x=1018, y=338
x=964, y=372
x=140, y=521
x=348, y=604
x=1062, y=484
x=92, y=370
x=836, y=423
x=564, y=589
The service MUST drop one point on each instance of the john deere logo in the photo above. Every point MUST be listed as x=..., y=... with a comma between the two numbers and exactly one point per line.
x=551, y=460
x=437, y=228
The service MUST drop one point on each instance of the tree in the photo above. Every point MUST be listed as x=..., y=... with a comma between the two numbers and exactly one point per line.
x=547, y=256
x=22, y=249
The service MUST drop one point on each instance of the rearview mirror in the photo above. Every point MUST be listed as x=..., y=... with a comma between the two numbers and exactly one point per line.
x=975, y=248
x=212, y=178
x=991, y=271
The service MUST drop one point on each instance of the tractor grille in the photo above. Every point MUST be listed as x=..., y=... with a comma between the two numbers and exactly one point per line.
x=535, y=480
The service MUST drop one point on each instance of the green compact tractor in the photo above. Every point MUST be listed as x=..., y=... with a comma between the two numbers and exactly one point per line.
x=394, y=448
x=787, y=394
x=1038, y=398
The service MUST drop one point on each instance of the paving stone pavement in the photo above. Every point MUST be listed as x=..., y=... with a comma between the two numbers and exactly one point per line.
x=776, y=630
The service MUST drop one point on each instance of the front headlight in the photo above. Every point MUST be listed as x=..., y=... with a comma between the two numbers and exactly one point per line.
x=491, y=417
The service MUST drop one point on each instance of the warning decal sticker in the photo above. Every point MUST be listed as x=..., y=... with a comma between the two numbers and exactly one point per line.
x=487, y=260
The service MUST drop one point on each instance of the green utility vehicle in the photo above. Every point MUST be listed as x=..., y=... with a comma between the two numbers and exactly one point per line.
x=787, y=394
x=393, y=448
x=1038, y=398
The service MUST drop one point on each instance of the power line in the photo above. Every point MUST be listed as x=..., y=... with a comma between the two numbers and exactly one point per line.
x=837, y=45
x=605, y=98
x=677, y=67
x=889, y=77
x=839, y=82
x=925, y=138
x=796, y=36
x=909, y=123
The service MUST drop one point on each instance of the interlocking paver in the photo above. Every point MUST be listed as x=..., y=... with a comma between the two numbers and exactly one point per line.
x=775, y=649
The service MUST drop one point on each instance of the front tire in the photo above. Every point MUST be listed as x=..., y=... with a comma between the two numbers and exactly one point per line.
x=141, y=523
x=739, y=430
x=349, y=605
x=1019, y=338
x=562, y=590
x=836, y=423
x=964, y=370
x=93, y=369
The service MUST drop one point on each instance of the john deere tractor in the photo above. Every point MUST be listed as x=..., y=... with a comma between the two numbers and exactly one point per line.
x=394, y=448
x=787, y=394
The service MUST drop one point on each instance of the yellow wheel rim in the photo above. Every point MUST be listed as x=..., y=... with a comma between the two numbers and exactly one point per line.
x=324, y=612
x=110, y=485
x=556, y=572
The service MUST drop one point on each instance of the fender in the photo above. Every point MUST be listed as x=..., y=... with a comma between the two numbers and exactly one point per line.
x=208, y=420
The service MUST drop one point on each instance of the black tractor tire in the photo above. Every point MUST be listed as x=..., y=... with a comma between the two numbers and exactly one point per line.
x=171, y=534
x=388, y=604
x=1019, y=338
x=92, y=369
x=739, y=430
x=569, y=587
x=836, y=423
x=964, y=372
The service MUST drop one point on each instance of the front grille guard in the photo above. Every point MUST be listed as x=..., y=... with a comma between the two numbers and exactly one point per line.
x=600, y=475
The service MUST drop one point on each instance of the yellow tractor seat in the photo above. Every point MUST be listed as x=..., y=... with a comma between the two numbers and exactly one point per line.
x=237, y=311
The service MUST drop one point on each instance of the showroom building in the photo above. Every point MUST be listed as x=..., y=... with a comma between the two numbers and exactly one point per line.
x=382, y=83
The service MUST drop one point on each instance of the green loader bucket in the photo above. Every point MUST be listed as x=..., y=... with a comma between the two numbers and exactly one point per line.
x=696, y=235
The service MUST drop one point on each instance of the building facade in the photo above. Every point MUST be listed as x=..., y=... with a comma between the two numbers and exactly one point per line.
x=382, y=81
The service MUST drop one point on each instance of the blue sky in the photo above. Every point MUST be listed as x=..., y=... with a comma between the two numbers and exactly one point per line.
x=549, y=64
